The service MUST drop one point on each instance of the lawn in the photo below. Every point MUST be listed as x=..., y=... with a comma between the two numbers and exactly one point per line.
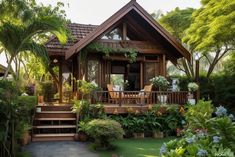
x=147, y=147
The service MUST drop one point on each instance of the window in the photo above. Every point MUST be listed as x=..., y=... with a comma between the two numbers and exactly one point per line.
x=150, y=71
x=113, y=35
x=93, y=71
x=117, y=80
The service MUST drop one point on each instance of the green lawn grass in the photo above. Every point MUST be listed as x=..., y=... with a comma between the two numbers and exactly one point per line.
x=147, y=147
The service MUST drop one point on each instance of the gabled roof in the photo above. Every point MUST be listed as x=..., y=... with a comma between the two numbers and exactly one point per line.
x=78, y=32
x=132, y=5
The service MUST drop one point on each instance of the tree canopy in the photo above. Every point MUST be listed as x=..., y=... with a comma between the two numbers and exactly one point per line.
x=23, y=24
x=209, y=30
x=213, y=26
x=177, y=21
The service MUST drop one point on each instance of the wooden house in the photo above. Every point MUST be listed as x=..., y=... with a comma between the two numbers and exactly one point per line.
x=130, y=45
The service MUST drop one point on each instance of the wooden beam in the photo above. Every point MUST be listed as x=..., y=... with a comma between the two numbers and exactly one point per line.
x=124, y=31
x=121, y=58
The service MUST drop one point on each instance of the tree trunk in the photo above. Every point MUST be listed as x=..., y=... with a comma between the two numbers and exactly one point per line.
x=54, y=76
x=8, y=67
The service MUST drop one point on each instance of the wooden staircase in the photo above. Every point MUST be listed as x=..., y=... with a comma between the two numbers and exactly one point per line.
x=54, y=123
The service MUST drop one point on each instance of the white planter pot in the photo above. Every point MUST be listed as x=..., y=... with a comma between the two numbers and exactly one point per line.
x=192, y=101
x=162, y=99
x=38, y=109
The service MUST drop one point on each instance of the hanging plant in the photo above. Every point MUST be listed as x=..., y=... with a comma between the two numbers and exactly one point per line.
x=128, y=52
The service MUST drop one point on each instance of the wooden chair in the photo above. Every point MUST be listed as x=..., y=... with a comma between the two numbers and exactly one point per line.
x=113, y=96
x=147, y=93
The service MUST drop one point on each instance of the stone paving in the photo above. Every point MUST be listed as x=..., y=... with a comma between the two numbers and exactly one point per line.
x=59, y=149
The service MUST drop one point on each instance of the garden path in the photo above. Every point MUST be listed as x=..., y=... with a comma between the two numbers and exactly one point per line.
x=59, y=149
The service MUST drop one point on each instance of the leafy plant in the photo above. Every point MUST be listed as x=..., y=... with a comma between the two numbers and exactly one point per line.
x=86, y=111
x=104, y=131
x=82, y=126
x=192, y=86
x=160, y=81
x=128, y=53
x=48, y=91
x=85, y=88
x=198, y=115
x=206, y=135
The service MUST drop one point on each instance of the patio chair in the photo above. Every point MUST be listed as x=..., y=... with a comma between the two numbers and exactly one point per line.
x=113, y=95
x=147, y=93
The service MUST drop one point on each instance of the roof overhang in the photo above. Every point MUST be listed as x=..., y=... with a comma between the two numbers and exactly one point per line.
x=109, y=23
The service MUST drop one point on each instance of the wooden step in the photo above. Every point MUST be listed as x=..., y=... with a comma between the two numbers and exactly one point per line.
x=55, y=108
x=55, y=119
x=53, y=126
x=55, y=114
x=53, y=137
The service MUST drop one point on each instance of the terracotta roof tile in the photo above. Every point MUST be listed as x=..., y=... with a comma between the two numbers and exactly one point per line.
x=78, y=31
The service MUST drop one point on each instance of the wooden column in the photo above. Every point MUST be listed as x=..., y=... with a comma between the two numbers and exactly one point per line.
x=124, y=31
x=60, y=81
x=141, y=75
x=197, y=80
x=164, y=65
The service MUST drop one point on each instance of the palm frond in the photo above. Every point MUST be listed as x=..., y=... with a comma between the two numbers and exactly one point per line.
x=38, y=50
x=10, y=36
x=47, y=24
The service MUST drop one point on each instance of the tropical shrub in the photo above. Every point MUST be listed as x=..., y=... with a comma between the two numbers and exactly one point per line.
x=198, y=115
x=104, y=131
x=160, y=81
x=192, y=86
x=15, y=113
x=48, y=91
x=166, y=118
x=206, y=135
x=218, y=88
x=86, y=111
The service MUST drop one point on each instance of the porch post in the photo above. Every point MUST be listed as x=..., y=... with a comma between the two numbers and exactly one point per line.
x=164, y=65
x=60, y=81
x=141, y=75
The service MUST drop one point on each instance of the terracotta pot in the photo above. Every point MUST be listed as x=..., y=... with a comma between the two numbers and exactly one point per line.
x=26, y=138
x=76, y=137
x=138, y=135
x=158, y=134
x=40, y=99
x=82, y=137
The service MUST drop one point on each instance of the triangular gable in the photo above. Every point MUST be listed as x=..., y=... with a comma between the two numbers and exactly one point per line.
x=132, y=5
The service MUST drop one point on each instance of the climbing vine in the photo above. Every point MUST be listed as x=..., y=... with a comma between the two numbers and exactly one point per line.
x=128, y=52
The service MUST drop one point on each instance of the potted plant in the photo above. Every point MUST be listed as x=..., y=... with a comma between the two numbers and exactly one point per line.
x=192, y=87
x=162, y=83
x=138, y=127
x=39, y=92
x=81, y=135
x=26, y=138
x=157, y=133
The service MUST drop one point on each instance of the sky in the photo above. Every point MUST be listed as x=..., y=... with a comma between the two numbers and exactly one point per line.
x=97, y=11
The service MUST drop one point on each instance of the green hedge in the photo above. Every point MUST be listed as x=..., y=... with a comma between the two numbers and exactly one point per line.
x=218, y=88
x=26, y=107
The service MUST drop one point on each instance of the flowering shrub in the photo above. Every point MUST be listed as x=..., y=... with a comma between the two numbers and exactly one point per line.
x=160, y=81
x=192, y=86
x=205, y=136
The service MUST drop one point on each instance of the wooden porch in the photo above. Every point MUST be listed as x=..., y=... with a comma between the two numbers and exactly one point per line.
x=137, y=101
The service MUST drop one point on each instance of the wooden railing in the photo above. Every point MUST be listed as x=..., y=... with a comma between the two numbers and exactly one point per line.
x=140, y=98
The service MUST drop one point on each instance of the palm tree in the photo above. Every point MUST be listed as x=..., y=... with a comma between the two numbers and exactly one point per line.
x=21, y=35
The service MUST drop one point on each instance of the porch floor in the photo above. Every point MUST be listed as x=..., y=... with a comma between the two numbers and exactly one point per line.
x=109, y=108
